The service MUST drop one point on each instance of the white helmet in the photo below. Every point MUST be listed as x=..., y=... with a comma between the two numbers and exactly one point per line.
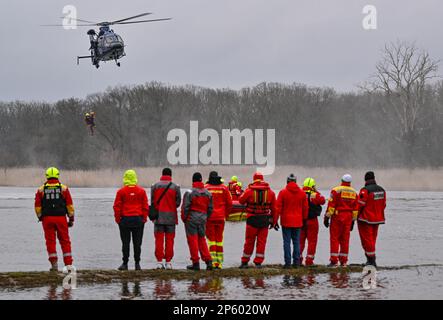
x=347, y=178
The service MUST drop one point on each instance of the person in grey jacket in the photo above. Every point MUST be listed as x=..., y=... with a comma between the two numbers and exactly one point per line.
x=196, y=209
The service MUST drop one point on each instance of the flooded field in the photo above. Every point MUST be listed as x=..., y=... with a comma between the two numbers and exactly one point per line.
x=412, y=236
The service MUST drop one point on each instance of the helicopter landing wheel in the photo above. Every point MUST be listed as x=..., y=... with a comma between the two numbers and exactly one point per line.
x=118, y=64
x=97, y=66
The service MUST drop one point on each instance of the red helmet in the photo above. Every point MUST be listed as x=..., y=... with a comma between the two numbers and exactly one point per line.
x=258, y=176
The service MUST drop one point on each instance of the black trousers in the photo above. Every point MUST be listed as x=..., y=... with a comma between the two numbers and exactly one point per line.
x=131, y=227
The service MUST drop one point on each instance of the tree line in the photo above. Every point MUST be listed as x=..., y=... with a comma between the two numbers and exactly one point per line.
x=395, y=120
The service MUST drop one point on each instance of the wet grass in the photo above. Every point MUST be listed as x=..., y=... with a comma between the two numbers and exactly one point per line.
x=90, y=277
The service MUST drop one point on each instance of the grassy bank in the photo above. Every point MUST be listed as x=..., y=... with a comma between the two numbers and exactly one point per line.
x=90, y=277
x=391, y=179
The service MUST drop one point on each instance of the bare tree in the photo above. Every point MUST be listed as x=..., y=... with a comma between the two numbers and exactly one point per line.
x=402, y=75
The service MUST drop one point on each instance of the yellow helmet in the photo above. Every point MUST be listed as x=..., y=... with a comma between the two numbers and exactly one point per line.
x=239, y=184
x=309, y=182
x=52, y=172
x=234, y=178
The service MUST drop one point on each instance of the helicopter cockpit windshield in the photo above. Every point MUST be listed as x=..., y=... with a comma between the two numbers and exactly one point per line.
x=110, y=41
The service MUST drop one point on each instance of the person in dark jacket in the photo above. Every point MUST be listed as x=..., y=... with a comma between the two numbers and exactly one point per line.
x=292, y=208
x=166, y=198
x=131, y=210
x=196, y=209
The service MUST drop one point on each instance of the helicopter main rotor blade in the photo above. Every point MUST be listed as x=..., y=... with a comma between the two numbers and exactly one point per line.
x=62, y=25
x=80, y=20
x=137, y=16
x=153, y=20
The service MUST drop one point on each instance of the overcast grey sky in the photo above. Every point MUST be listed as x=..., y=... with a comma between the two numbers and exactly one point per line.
x=213, y=43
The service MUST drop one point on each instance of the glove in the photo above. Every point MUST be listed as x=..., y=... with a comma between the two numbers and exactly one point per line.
x=71, y=222
x=352, y=225
x=271, y=225
x=326, y=222
x=276, y=227
x=40, y=218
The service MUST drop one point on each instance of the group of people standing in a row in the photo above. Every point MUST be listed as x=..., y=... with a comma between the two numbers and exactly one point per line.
x=204, y=209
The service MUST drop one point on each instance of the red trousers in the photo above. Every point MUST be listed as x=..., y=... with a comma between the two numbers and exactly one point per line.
x=57, y=227
x=309, y=233
x=340, y=231
x=368, y=236
x=253, y=234
x=198, y=244
x=214, y=234
x=164, y=242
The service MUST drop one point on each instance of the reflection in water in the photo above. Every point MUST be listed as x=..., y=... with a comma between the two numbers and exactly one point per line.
x=126, y=294
x=253, y=283
x=339, y=279
x=163, y=289
x=213, y=286
x=299, y=282
x=53, y=295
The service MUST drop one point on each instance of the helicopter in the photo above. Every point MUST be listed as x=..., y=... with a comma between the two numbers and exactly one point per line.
x=108, y=45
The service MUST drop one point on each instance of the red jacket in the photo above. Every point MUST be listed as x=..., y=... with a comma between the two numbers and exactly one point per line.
x=167, y=208
x=131, y=201
x=343, y=199
x=234, y=189
x=197, y=204
x=372, y=200
x=315, y=201
x=221, y=201
x=292, y=206
x=259, y=200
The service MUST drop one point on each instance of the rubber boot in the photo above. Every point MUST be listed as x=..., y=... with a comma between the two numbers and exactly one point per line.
x=258, y=265
x=137, y=266
x=194, y=266
x=367, y=260
x=244, y=265
x=54, y=267
x=209, y=265
x=123, y=267
x=371, y=261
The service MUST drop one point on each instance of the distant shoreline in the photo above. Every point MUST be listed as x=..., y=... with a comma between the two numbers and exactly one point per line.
x=391, y=179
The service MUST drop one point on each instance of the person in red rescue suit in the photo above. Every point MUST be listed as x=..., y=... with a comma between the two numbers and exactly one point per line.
x=166, y=198
x=292, y=208
x=196, y=210
x=221, y=207
x=55, y=209
x=261, y=214
x=342, y=211
x=372, y=200
x=309, y=232
x=235, y=188
x=131, y=210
